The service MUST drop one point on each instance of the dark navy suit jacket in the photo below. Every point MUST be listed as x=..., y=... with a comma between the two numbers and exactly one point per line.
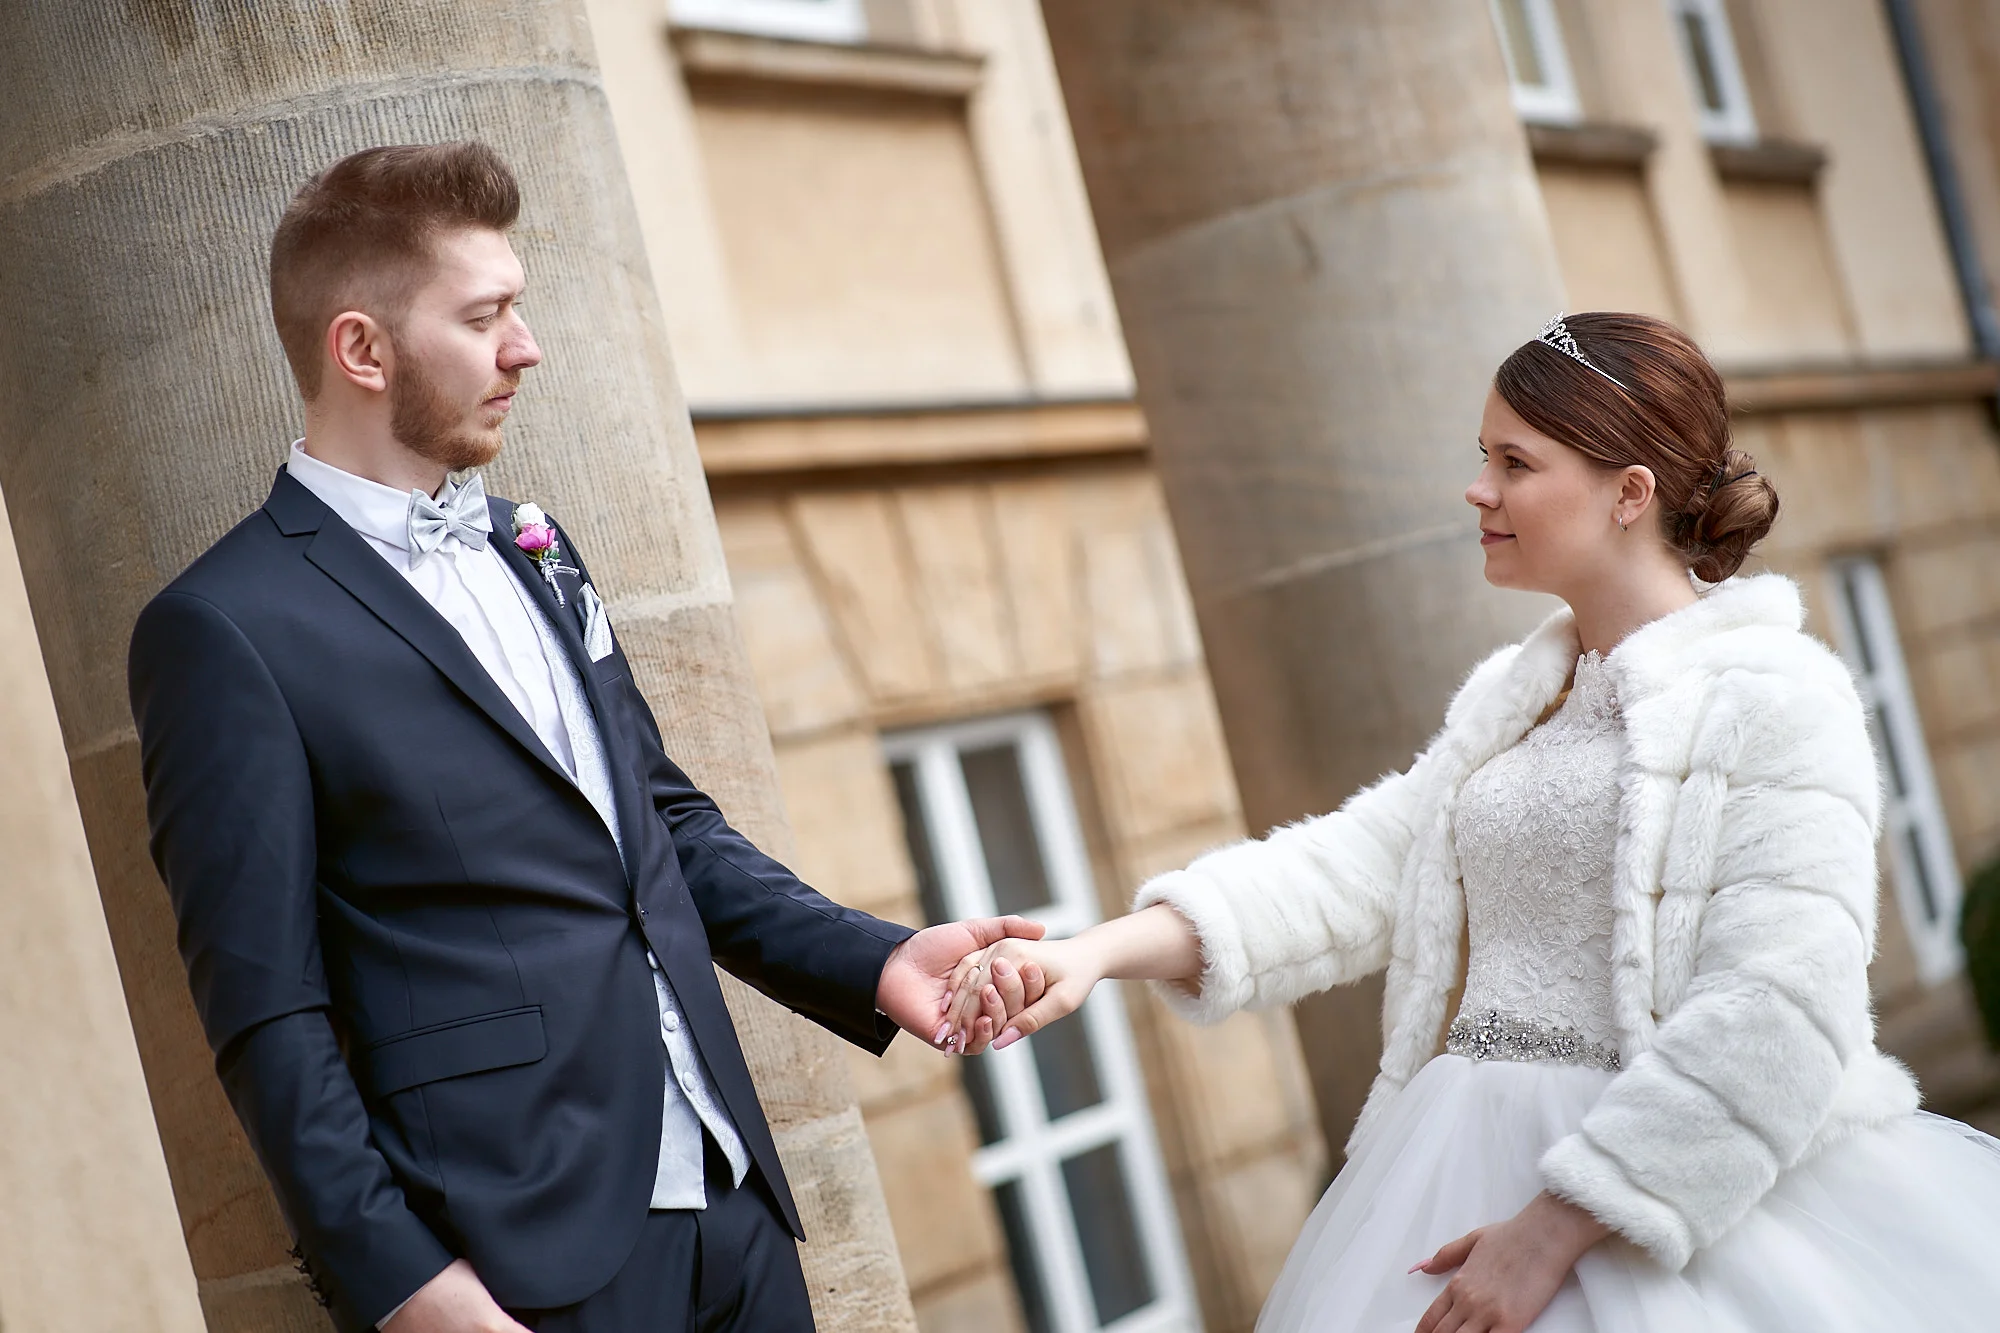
x=417, y=955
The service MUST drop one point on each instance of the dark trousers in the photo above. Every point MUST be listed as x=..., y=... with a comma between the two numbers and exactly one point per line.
x=730, y=1268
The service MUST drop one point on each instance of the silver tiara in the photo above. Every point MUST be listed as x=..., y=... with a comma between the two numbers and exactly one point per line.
x=1556, y=334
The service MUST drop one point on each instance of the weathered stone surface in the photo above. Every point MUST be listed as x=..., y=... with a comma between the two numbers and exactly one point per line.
x=1167, y=744
x=149, y=151
x=945, y=1222
x=952, y=548
x=801, y=676
x=89, y=1237
x=988, y=1303
x=845, y=817
x=1256, y=1202
x=1037, y=561
x=858, y=550
x=1211, y=1064
x=1323, y=231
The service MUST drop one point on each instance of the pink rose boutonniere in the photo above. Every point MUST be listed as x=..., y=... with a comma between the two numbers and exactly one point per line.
x=536, y=537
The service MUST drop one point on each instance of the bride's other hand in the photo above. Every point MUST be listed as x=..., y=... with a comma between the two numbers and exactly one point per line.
x=1508, y=1273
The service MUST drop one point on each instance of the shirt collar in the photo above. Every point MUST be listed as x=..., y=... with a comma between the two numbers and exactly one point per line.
x=370, y=508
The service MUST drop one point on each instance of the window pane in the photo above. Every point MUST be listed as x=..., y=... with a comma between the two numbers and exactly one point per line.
x=1021, y=1255
x=1701, y=52
x=1899, y=786
x=1517, y=41
x=1920, y=871
x=1006, y=829
x=1850, y=591
x=1104, y=1227
x=1069, y=1073
x=985, y=1108
x=917, y=834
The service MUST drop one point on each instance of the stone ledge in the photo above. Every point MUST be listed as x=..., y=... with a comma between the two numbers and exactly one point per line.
x=1835, y=387
x=1768, y=161
x=1591, y=144
x=751, y=442
x=715, y=53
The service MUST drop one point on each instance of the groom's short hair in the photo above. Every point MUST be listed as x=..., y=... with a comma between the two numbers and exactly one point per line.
x=358, y=235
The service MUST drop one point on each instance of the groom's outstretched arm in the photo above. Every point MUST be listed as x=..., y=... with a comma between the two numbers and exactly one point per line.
x=764, y=925
x=229, y=800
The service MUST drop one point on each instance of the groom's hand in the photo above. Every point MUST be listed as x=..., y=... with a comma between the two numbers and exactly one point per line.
x=455, y=1301
x=915, y=984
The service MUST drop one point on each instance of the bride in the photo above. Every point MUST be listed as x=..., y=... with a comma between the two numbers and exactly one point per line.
x=1644, y=846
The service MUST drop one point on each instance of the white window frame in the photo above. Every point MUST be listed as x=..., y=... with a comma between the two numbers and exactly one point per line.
x=1033, y=1148
x=1914, y=828
x=804, y=20
x=1554, y=102
x=1736, y=121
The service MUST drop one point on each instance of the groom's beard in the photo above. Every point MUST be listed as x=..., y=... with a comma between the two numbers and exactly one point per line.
x=424, y=420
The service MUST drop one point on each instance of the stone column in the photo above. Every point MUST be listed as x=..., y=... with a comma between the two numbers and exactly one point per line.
x=144, y=406
x=88, y=1235
x=1324, y=233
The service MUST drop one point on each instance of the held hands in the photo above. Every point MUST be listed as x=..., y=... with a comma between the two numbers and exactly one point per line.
x=1013, y=988
x=1508, y=1273
x=1016, y=988
x=916, y=987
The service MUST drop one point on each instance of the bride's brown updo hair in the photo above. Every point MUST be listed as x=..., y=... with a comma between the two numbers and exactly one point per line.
x=1669, y=416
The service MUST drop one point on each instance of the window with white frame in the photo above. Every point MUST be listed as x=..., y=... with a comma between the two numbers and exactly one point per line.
x=1922, y=866
x=810, y=20
x=1537, y=63
x=1066, y=1137
x=1721, y=97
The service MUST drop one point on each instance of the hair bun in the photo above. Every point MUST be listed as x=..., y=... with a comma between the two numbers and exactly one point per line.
x=1727, y=517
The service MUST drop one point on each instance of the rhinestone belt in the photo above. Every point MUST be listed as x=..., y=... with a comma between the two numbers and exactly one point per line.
x=1494, y=1036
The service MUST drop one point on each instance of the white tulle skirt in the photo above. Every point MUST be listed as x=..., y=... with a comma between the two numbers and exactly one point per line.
x=1894, y=1231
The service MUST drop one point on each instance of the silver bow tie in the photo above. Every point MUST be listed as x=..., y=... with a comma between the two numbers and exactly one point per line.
x=463, y=515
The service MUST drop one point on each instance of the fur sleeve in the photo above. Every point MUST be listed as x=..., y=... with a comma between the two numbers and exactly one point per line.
x=1310, y=906
x=1747, y=1063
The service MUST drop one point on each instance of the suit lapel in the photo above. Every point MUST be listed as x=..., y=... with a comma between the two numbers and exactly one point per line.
x=344, y=556
x=568, y=622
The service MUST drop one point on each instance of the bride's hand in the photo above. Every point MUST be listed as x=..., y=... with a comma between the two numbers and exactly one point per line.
x=1508, y=1273
x=1004, y=993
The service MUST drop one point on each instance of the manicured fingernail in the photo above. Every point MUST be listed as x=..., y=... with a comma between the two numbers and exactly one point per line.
x=1002, y=968
x=992, y=995
x=1007, y=1038
x=1418, y=1266
x=943, y=1029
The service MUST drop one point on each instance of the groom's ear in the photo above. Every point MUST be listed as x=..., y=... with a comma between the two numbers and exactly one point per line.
x=357, y=350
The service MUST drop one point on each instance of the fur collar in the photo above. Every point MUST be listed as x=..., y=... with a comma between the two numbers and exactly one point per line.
x=1652, y=657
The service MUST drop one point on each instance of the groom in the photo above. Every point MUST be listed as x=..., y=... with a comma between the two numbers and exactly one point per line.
x=448, y=910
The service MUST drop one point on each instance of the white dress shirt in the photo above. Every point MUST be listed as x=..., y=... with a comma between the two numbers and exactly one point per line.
x=510, y=634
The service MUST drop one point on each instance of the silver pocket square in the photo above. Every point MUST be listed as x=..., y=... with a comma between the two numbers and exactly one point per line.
x=596, y=625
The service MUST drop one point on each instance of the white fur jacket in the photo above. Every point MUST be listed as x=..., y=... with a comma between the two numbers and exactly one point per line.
x=1744, y=891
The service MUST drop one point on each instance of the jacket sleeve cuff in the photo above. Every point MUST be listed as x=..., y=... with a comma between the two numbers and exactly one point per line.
x=1225, y=985
x=1577, y=1171
x=398, y=1268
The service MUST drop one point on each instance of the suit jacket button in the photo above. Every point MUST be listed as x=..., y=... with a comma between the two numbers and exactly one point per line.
x=642, y=913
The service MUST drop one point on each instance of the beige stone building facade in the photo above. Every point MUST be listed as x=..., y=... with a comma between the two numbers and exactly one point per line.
x=952, y=563
x=868, y=241
x=870, y=236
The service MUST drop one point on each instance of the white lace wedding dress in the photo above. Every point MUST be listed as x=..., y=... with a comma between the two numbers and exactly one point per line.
x=1893, y=1231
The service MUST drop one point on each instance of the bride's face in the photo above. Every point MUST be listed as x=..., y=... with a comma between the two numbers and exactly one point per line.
x=1548, y=515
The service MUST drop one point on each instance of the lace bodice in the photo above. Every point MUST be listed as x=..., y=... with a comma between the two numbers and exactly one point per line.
x=1536, y=828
